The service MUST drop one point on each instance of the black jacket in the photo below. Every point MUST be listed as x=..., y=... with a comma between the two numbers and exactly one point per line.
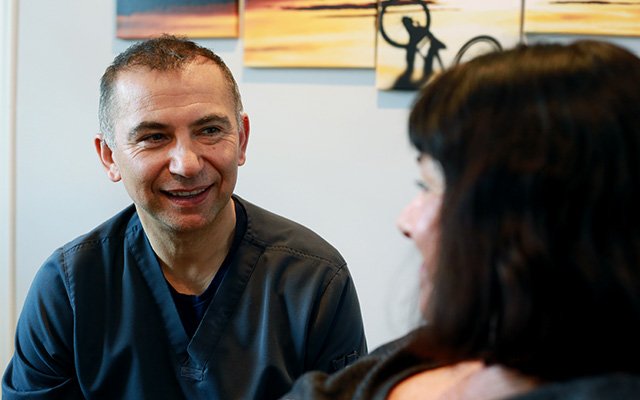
x=373, y=376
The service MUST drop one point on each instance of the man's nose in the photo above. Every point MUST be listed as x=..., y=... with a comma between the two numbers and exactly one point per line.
x=185, y=159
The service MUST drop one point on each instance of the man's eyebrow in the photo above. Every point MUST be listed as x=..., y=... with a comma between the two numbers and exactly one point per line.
x=146, y=126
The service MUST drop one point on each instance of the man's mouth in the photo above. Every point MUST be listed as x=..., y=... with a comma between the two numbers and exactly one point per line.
x=185, y=194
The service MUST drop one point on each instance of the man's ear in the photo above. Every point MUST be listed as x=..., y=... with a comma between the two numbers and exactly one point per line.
x=244, y=139
x=106, y=157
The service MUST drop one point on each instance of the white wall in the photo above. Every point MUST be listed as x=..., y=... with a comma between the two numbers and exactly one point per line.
x=326, y=149
x=8, y=19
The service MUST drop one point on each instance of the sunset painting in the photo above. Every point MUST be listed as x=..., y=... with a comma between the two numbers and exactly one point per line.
x=138, y=19
x=583, y=17
x=419, y=38
x=310, y=33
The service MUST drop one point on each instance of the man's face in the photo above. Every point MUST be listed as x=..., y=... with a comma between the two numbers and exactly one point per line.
x=177, y=145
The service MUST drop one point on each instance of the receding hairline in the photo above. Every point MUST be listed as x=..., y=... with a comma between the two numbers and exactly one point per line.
x=198, y=60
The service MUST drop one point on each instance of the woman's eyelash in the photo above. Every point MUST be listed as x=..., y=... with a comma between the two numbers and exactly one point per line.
x=422, y=185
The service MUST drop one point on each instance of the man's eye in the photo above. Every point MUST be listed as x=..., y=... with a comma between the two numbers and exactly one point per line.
x=153, y=138
x=210, y=130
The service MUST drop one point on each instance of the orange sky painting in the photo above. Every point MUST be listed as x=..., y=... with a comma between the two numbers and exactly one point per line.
x=212, y=21
x=453, y=22
x=309, y=33
x=583, y=17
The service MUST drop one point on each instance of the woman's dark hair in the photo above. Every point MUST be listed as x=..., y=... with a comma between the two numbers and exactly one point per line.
x=539, y=257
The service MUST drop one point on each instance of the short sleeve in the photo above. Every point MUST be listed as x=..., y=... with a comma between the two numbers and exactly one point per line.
x=337, y=337
x=42, y=366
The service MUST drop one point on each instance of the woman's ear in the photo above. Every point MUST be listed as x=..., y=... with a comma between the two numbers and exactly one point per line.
x=106, y=158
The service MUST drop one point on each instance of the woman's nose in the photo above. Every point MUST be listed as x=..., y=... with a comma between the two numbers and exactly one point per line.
x=406, y=219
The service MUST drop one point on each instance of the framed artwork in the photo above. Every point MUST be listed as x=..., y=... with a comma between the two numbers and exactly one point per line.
x=583, y=17
x=310, y=33
x=417, y=38
x=138, y=19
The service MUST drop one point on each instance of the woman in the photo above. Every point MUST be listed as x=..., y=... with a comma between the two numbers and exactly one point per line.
x=529, y=228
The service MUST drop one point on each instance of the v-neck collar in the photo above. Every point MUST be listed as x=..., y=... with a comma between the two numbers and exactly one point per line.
x=192, y=354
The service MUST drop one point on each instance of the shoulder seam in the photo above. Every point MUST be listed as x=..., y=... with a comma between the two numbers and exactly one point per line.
x=67, y=280
x=339, y=264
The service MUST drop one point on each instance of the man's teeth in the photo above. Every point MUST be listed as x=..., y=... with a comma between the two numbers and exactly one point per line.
x=187, y=194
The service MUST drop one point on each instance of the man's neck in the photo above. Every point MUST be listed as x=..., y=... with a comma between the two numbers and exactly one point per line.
x=190, y=260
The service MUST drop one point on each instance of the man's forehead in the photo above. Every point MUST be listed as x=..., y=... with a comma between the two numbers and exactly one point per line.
x=149, y=95
x=201, y=64
x=141, y=78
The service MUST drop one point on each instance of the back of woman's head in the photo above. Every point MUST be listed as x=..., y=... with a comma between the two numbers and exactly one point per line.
x=539, y=258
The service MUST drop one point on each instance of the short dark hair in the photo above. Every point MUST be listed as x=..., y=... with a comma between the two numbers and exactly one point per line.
x=164, y=53
x=539, y=260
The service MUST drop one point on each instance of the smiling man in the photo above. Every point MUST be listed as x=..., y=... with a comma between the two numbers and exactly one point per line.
x=191, y=292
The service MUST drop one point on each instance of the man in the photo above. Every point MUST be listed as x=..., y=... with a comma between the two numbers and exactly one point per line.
x=191, y=292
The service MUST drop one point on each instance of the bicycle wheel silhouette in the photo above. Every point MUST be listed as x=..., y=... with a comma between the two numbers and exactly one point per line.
x=383, y=12
x=475, y=47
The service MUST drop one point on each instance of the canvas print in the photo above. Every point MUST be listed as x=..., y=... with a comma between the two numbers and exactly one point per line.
x=310, y=33
x=417, y=38
x=583, y=17
x=139, y=19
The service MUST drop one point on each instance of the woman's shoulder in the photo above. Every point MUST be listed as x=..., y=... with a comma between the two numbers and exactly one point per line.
x=464, y=380
x=370, y=377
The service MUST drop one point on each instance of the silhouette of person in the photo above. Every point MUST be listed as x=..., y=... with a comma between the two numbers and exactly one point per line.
x=435, y=46
x=417, y=33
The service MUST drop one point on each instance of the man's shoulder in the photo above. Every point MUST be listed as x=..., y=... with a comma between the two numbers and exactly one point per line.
x=273, y=231
x=89, y=257
x=112, y=230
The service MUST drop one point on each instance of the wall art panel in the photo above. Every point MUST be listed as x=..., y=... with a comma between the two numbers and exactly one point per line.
x=583, y=17
x=417, y=38
x=139, y=19
x=310, y=33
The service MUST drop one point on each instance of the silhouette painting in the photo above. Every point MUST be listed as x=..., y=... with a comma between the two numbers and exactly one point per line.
x=583, y=17
x=418, y=38
x=310, y=33
x=138, y=19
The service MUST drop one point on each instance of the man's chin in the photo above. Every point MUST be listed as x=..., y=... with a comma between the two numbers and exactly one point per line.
x=176, y=224
x=186, y=226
